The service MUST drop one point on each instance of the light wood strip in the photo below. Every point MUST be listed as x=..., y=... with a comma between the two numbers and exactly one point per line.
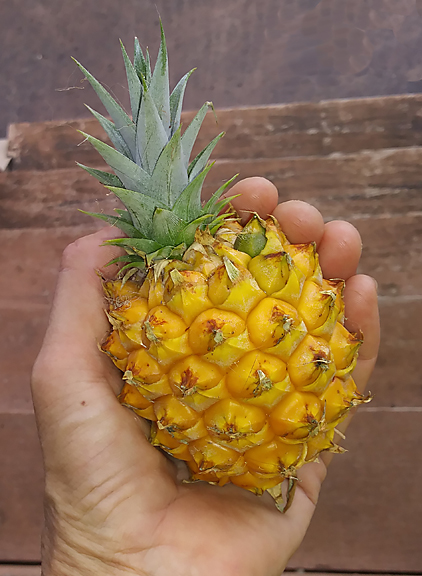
x=298, y=129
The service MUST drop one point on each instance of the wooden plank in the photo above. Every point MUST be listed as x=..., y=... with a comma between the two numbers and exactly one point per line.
x=304, y=129
x=369, y=184
x=21, y=332
x=21, y=487
x=392, y=254
x=396, y=380
x=31, y=258
x=368, y=517
x=20, y=570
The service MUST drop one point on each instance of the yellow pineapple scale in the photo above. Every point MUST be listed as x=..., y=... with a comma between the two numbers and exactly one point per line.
x=243, y=365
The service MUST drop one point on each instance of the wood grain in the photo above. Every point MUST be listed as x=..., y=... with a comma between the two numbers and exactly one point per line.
x=350, y=186
x=20, y=570
x=355, y=160
x=367, y=518
x=391, y=254
x=304, y=129
x=21, y=489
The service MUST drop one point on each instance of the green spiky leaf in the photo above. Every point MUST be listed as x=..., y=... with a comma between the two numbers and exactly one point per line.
x=167, y=253
x=217, y=223
x=166, y=227
x=151, y=137
x=188, y=204
x=148, y=67
x=191, y=132
x=210, y=205
x=124, y=215
x=139, y=246
x=134, y=84
x=187, y=234
x=125, y=226
x=121, y=120
x=139, y=62
x=132, y=175
x=114, y=135
x=133, y=259
x=219, y=206
x=106, y=178
x=200, y=161
x=176, y=101
x=169, y=178
x=159, y=86
x=140, y=206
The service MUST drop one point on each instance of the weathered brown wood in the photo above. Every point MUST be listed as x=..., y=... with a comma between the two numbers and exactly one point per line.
x=20, y=570
x=368, y=516
x=379, y=190
x=395, y=382
x=351, y=186
x=391, y=253
x=32, y=259
x=21, y=488
x=304, y=129
x=21, y=332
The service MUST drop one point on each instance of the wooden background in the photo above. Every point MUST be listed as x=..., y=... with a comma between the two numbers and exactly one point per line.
x=358, y=160
x=246, y=52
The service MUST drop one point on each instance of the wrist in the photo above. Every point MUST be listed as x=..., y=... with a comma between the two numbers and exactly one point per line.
x=69, y=548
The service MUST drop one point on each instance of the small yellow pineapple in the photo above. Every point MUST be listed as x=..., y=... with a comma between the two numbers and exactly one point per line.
x=229, y=339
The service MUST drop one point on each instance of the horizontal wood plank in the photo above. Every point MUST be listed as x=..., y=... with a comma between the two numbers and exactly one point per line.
x=21, y=332
x=395, y=382
x=20, y=570
x=300, y=129
x=367, y=184
x=392, y=253
x=21, y=489
x=358, y=160
x=32, y=257
x=368, y=515
x=367, y=518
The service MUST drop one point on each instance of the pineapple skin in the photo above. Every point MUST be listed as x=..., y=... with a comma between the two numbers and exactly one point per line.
x=241, y=363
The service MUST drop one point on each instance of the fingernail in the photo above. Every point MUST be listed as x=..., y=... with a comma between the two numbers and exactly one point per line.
x=375, y=283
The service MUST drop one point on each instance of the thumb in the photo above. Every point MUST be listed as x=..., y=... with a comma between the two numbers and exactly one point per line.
x=69, y=365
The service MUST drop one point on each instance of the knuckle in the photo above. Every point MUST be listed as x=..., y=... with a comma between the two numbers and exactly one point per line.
x=71, y=253
x=39, y=371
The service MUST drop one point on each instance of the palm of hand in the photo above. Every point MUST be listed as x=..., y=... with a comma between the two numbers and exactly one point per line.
x=114, y=503
x=110, y=477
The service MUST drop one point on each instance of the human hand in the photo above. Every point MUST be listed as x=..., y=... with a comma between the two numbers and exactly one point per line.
x=114, y=504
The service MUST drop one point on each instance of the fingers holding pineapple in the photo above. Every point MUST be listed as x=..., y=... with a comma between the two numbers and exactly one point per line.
x=256, y=194
x=339, y=248
x=338, y=242
x=361, y=302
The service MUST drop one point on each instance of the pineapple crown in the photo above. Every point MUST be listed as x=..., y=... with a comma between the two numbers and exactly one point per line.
x=153, y=177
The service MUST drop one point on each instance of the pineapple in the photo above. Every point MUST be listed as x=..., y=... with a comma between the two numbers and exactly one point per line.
x=230, y=341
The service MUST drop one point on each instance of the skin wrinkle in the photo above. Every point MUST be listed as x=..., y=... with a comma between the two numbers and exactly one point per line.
x=84, y=543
